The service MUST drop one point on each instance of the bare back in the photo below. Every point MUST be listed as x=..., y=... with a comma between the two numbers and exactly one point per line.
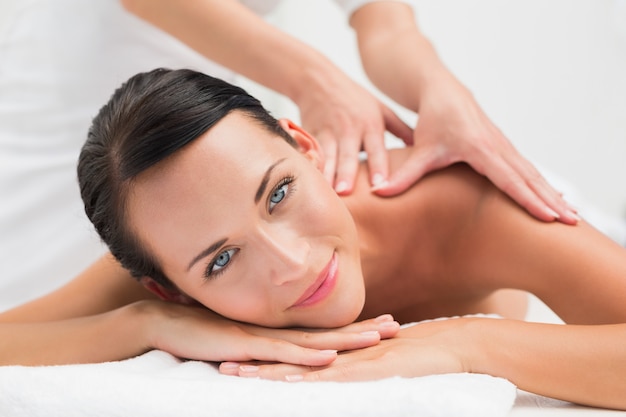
x=453, y=245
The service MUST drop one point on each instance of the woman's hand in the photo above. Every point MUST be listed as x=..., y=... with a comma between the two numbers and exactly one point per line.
x=427, y=348
x=197, y=333
x=589, y=370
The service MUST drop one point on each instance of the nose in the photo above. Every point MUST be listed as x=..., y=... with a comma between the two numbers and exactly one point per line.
x=285, y=251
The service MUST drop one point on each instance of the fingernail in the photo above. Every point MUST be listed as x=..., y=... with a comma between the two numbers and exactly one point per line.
x=328, y=352
x=383, y=317
x=571, y=208
x=294, y=378
x=380, y=185
x=388, y=324
x=552, y=213
x=229, y=365
x=575, y=215
x=341, y=187
x=249, y=369
x=370, y=333
x=377, y=179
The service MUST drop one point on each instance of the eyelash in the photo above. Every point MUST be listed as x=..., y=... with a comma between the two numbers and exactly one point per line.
x=287, y=180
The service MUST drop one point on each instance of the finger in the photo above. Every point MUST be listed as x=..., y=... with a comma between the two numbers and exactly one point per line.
x=276, y=350
x=256, y=369
x=274, y=372
x=516, y=187
x=334, y=340
x=377, y=158
x=347, y=163
x=264, y=349
x=329, y=149
x=412, y=170
x=547, y=194
x=396, y=126
x=363, y=370
x=385, y=325
x=521, y=181
x=229, y=368
x=554, y=200
x=518, y=180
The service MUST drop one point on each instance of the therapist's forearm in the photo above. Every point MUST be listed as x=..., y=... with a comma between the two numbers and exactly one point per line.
x=228, y=33
x=397, y=58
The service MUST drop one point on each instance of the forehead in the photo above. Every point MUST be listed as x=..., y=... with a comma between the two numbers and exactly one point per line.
x=237, y=144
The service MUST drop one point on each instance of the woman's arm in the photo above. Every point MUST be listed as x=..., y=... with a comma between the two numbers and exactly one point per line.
x=102, y=287
x=105, y=315
x=581, y=364
x=114, y=335
x=577, y=271
x=87, y=320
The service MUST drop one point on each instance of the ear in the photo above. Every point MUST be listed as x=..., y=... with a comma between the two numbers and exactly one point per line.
x=166, y=293
x=307, y=144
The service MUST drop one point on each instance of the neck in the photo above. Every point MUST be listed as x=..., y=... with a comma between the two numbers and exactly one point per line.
x=386, y=231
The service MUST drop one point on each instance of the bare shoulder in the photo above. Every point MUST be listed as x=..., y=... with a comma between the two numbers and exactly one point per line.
x=436, y=208
x=417, y=245
x=579, y=272
x=459, y=227
x=453, y=191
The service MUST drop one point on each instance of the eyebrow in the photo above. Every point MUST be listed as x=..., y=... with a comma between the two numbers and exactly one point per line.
x=206, y=252
x=265, y=180
x=215, y=246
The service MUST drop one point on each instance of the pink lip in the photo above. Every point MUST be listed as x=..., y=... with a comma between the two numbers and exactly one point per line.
x=322, y=286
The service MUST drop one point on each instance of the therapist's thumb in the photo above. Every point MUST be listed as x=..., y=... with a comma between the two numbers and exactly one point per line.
x=418, y=164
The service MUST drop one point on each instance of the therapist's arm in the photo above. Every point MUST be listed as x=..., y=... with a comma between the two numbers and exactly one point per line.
x=341, y=114
x=452, y=127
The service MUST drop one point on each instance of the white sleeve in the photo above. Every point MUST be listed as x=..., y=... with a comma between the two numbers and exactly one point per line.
x=349, y=6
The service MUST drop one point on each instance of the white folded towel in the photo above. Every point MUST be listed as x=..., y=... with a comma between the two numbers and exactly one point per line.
x=158, y=384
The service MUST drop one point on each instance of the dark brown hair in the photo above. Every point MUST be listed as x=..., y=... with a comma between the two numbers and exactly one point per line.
x=150, y=117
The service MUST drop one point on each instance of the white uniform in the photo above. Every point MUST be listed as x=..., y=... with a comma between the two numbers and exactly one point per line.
x=60, y=60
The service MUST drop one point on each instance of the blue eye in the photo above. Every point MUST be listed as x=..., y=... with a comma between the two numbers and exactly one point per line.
x=279, y=193
x=220, y=262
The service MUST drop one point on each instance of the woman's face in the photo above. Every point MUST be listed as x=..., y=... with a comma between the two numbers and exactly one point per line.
x=247, y=225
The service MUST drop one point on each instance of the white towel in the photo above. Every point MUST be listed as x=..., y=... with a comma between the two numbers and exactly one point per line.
x=158, y=384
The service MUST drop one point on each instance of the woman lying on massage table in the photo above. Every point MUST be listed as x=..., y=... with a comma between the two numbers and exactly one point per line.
x=210, y=202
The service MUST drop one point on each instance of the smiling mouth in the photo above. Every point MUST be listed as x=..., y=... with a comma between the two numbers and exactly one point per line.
x=322, y=286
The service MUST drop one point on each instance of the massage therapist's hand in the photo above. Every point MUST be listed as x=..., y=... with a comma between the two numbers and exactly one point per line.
x=197, y=333
x=453, y=128
x=345, y=118
x=404, y=65
x=435, y=347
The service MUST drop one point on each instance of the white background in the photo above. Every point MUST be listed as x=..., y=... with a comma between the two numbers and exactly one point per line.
x=549, y=73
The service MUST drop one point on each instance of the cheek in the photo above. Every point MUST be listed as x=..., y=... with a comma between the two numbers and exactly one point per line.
x=236, y=302
x=324, y=207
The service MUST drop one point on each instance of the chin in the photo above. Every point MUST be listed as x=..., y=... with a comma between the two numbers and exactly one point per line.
x=329, y=317
x=339, y=316
x=344, y=320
